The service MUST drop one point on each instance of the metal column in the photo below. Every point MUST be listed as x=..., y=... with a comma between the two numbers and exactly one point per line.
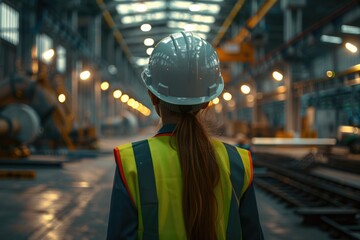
x=75, y=66
x=27, y=34
x=96, y=116
x=292, y=26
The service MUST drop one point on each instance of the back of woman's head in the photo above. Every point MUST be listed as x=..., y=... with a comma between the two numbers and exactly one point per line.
x=184, y=73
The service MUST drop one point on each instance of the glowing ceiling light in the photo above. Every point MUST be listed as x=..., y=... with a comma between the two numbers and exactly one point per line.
x=117, y=94
x=130, y=102
x=149, y=51
x=350, y=29
x=48, y=55
x=112, y=69
x=351, y=47
x=198, y=28
x=84, y=75
x=149, y=42
x=227, y=96
x=194, y=7
x=189, y=27
x=104, y=86
x=245, y=89
x=140, y=108
x=62, y=98
x=250, y=98
x=136, y=104
x=142, y=61
x=331, y=39
x=146, y=112
x=145, y=27
x=215, y=100
x=281, y=89
x=141, y=7
x=124, y=98
x=277, y=76
x=330, y=74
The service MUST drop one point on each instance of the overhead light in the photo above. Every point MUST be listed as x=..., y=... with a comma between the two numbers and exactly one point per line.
x=331, y=39
x=141, y=7
x=149, y=51
x=136, y=105
x=215, y=100
x=250, y=98
x=185, y=5
x=191, y=17
x=330, y=74
x=130, y=102
x=277, y=76
x=185, y=25
x=142, y=61
x=203, y=19
x=227, y=96
x=350, y=29
x=194, y=7
x=62, y=98
x=124, y=9
x=48, y=55
x=144, y=17
x=84, y=75
x=145, y=27
x=104, y=86
x=149, y=42
x=189, y=27
x=351, y=47
x=124, y=98
x=112, y=69
x=117, y=94
x=281, y=89
x=245, y=89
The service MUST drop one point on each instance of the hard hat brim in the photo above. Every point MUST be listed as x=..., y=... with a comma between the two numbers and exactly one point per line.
x=182, y=100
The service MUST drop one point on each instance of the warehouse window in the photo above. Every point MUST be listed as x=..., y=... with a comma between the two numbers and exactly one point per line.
x=43, y=44
x=9, y=24
x=60, y=59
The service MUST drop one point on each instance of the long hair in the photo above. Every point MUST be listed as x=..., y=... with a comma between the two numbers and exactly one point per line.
x=200, y=176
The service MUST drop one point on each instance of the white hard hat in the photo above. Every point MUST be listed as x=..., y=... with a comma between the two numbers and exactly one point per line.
x=184, y=70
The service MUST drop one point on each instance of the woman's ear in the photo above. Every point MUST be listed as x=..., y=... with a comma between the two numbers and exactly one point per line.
x=154, y=99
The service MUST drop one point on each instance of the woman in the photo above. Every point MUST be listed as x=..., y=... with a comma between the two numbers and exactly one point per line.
x=182, y=184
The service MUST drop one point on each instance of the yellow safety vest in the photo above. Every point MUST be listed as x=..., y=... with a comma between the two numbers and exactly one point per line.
x=151, y=172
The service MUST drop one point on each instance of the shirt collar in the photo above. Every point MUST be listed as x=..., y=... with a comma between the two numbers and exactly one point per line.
x=167, y=129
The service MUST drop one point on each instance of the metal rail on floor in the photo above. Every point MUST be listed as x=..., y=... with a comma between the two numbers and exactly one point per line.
x=319, y=201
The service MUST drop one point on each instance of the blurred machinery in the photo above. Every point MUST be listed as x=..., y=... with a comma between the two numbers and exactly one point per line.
x=31, y=116
x=19, y=125
x=349, y=136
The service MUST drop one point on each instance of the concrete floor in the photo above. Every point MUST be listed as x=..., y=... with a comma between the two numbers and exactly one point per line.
x=72, y=202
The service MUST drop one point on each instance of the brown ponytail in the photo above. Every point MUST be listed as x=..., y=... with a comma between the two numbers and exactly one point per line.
x=200, y=176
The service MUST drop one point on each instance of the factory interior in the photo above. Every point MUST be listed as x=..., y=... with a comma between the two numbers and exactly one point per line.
x=71, y=91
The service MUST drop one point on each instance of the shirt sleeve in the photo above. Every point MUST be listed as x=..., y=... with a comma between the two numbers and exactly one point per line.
x=249, y=216
x=123, y=219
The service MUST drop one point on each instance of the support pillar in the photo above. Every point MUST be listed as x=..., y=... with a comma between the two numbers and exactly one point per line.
x=76, y=68
x=292, y=26
x=96, y=116
x=27, y=34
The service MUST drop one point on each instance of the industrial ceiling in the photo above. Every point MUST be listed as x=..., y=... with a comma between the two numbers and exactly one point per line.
x=260, y=23
x=218, y=21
